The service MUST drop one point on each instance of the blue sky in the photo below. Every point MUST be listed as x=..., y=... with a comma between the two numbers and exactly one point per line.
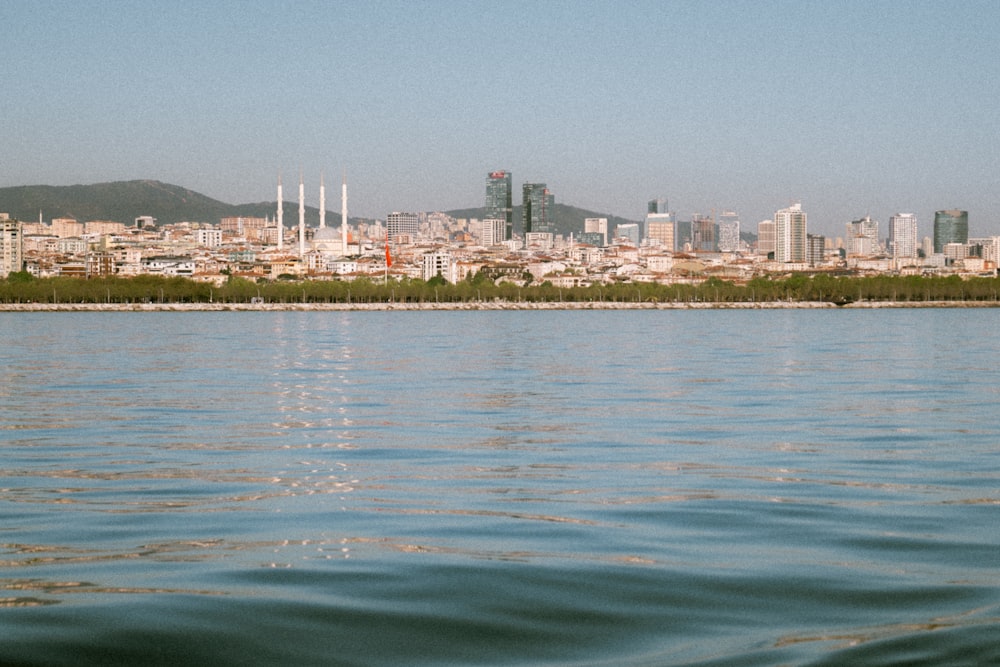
x=849, y=107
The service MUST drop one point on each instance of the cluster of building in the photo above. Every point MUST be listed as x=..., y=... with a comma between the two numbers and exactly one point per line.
x=662, y=248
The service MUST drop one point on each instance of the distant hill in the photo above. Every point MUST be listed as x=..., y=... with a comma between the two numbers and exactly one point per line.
x=567, y=219
x=124, y=201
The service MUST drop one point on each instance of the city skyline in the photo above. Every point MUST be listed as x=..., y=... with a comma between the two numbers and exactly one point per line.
x=498, y=198
x=852, y=109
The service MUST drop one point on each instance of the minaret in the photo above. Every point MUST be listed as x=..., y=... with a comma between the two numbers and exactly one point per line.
x=302, y=217
x=281, y=221
x=322, y=202
x=343, y=215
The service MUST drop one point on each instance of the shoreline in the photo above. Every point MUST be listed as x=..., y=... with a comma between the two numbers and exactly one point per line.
x=476, y=305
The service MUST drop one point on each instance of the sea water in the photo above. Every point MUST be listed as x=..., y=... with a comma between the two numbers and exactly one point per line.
x=767, y=487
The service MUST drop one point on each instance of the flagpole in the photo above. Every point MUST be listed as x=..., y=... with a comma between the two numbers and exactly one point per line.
x=388, y=259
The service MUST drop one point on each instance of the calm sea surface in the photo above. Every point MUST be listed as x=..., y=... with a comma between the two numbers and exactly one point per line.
x=768, y=487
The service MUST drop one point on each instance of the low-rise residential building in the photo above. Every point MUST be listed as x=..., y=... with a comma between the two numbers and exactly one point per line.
x=168, y=265
x=438, y=264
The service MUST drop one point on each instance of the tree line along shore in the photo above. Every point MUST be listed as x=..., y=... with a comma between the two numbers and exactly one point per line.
x=21, y=291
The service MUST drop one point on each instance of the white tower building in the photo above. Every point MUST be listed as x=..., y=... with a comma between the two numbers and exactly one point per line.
x=765, y=237
x=790, y=235
x=281, y=216
x=343, y=214
x=322, y=202
x=862, y=237
x=302, y=217
x=903, y=235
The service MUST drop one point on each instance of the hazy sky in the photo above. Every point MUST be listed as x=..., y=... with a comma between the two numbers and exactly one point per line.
x=849, y=107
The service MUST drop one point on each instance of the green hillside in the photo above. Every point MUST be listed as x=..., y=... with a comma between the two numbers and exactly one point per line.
x=124, y=201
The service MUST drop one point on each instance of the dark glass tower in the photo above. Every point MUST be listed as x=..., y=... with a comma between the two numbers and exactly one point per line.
x=500, y=200
x=537, y=207
x=950, y=227
x=657, y=206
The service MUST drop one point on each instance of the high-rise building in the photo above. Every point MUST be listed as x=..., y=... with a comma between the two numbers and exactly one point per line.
x=660, y=228
x=790, y=234
x=815, y=249
x=702, y=233
x=729, y=231
x=499, y=201
x=862, y=237
x=988, y=248
x=11, y=246
x=927, y=245
x=628, y=232
x=683, y=238
x=903, y=235
x=765, y=237
x=494, y=231
x=951, y=226
x=597, y=226
x=399, y=224
x=537, y=207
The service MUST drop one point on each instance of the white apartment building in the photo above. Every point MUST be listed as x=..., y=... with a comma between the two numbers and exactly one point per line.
x=790, y=235
x=208, y=238
x=73, y=245
x=862, y=237
x=435, y=263
x=168, y=265
x=11, y=246
x=403, y=224
x=729, y=232
x=903, y=236
x=539, y=240
x=990, y=246
x=494, y=231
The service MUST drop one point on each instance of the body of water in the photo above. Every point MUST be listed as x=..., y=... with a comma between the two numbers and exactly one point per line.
x=504, y=488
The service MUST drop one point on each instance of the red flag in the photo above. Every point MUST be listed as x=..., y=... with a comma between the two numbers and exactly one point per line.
x=388, y=257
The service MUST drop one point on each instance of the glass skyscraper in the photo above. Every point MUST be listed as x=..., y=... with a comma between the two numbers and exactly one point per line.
x=536, y=207
x=658, y=205
x=500, y=200
x=950, y=226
